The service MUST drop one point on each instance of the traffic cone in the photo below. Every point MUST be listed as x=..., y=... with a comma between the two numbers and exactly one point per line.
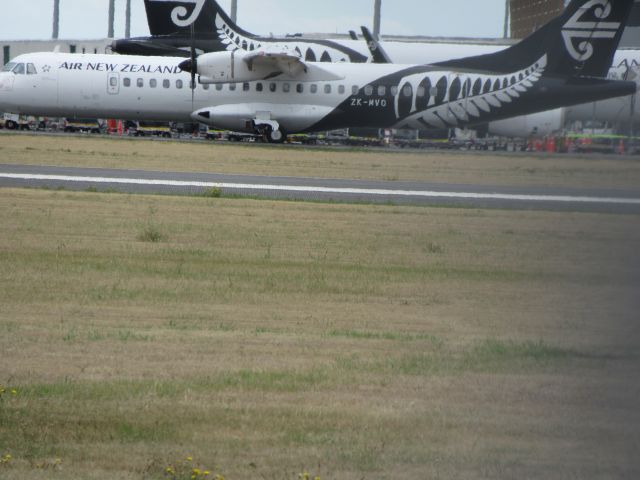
x=120, y=129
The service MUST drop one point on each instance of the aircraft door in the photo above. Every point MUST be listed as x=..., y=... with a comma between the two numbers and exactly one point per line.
x=113, y=83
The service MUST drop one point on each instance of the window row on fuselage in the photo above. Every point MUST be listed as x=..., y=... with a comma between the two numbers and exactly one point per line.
x=278, y=87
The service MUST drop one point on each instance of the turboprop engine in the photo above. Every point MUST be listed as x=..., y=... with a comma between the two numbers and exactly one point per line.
x=240, y=66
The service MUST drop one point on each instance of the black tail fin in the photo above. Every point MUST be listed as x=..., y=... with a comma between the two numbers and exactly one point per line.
x=169, y=17
x=580, y=42
x=378, y=54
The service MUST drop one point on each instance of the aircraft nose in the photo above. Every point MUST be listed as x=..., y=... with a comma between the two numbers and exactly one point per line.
x=6, y=86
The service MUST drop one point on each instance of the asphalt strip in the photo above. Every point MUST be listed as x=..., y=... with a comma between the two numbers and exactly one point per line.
x=327, y=190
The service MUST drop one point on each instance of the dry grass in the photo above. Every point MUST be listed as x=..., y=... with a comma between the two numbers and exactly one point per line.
x=265, y=339
x=455, y=168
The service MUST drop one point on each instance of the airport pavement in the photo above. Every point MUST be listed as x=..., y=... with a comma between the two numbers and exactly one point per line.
x=314, y=189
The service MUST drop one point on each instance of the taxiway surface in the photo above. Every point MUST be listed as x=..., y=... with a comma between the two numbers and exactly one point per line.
x=414, y=193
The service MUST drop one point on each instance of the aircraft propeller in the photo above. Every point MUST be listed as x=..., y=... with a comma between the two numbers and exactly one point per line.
x=191, y=65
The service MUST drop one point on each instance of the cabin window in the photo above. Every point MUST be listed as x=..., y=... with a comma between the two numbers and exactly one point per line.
x=355, y=90
x=19, y=70
x=153, y=83
x=368, y=90
x=166, y=83
x=407, y=91
x=327, y=89
x=140, y=83
x=219, y=87
x=179, y=84
x=382, y=91
x=232, y=87
x=113, y=81
x=246, y=87
x=341, y=89
x=300, y=88
x=286, y=87
x=313, y=88
x=273, y=87
x=259, y=87
x=31, y=69
x=394, y=90
x=126, y=82
x=421, y=92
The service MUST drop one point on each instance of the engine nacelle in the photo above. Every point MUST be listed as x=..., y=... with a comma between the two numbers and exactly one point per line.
x=245, y=117
x=229, y=67
x=536, y=125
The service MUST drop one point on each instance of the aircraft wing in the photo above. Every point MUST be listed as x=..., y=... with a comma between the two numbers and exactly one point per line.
x=290, y=63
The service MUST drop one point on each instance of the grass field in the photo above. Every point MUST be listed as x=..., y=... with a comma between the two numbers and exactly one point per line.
x=389, y=165
x=268, y=339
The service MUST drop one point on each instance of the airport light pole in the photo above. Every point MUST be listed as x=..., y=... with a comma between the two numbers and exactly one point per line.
x=112, y=14
x=234, y=10
x=56, y=19
x=507, y=17
x=127, y=27
x=377, y=15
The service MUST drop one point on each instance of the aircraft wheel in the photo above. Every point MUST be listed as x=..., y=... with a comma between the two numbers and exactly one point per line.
x=11, y=125
x=276, y=136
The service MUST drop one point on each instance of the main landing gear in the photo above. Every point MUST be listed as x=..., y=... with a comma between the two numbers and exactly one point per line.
x=270, y=131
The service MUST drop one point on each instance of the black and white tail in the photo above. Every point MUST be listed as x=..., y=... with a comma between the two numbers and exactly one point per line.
x=171, y=17
x=580, y=42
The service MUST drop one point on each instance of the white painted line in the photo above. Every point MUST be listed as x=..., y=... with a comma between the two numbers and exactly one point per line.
x=306, y=189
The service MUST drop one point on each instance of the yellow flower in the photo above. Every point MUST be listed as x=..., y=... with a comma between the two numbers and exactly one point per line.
x=14, y=391
x=317, y=478
x=189, y=459
x=196, y=471
x=206, y=473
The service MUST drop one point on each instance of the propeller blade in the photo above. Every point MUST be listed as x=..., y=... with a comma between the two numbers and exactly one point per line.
x=194, y=62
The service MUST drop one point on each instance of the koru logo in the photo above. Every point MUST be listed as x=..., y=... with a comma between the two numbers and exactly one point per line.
x=180, y=15
x=576, y=29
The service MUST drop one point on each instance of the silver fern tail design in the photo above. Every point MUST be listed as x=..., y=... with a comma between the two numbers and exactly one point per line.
x=448, y=99
x=310, y=51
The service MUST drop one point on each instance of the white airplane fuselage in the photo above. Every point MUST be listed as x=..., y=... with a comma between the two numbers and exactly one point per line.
x=372, y=95
x=154, y=88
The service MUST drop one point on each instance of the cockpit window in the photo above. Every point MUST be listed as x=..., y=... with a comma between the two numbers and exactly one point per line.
x=8, y=67
x=19, y=70
x=31, y=69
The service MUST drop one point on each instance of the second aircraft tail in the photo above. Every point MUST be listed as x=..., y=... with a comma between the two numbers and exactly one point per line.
x=580, y=42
